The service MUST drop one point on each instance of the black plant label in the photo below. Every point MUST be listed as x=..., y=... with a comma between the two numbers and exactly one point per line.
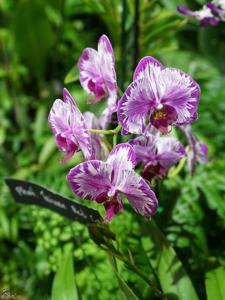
x=31, y=193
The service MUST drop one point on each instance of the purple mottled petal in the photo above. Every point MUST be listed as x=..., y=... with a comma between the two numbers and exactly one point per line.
x=181, y=92
x=68, y=98
x=170, y=151
x=213, y=8
x=90, y=180
x=122, y=157
x=143, y=63
x=97, y=72
x=112, y=208
x=213, y=21
x=105, y=45
x=88, y=66
x=138, y=193
x=186, y=11
x=198, y=151
x=135, y=105
x=69, y=128
x=144, y=147
x=66, y=144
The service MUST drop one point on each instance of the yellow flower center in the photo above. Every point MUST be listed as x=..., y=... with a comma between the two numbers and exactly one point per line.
x=159, y=114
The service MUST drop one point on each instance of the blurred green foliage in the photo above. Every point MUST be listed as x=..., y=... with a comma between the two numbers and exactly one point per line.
x=40, y=42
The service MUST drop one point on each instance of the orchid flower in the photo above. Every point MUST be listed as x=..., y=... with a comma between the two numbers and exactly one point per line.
x=69, y=128
x=204, y=16
x=218, y=7
x=158, y=97
x=197, y=152
x=105, y=182
x=97, y=72
x=157, y=154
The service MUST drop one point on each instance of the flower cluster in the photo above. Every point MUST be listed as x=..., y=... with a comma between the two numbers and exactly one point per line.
x=157, y=99
x=210, y=14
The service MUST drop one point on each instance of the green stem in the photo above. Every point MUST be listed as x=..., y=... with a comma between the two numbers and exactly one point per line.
x=137, y=271
x=110, y=131
x=99, y=131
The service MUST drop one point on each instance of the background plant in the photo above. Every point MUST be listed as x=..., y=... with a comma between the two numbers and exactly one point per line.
x=32, y=74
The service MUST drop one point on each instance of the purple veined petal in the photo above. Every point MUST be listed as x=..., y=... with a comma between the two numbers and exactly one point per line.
x=107, y=65
x=100, y=150
x=143, y=63
x=88, y=68
x=59, y=116
x=68, y=98
x=122, y=157
x=198, y=151
x=97, y=71
x=67, y=144
x=180, y=92
x=134, y=106
x=214, y=9
x=105, y=45
x=113, y=207
x=138, y=193
x=69, y=128
x=213, y=21
x=153, y=169
x=91, y=180
x=170, y=151
x=186, y=11
x=144, y=148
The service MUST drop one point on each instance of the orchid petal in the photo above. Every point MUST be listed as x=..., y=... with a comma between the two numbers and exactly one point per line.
x=170, y=151
x=147, y=60
x=97, y=72
x=69, y=128
x=138, y=193
x=91, y=180
x=180, y=92
x=122, y=157
x=134, y=106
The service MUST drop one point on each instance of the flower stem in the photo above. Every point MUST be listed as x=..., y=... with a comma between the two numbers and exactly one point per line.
x=99, y=131
x=110, y=131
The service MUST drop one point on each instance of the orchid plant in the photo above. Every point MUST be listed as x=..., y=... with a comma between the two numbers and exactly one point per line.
x=156, y=100
x=210, y=14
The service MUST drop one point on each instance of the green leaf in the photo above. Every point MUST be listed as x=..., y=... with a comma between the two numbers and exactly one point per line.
x=171, y=274
x=64, y=287
x=47, y=150
x=125, y=289
x=33, y=34
x=214, y=282
x=72, y=76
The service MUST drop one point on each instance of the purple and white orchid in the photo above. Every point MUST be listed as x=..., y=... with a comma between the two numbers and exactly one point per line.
x=105, y=182
x=69, y=127
x=205, y=15
x=157, y=154
x=97, y=72
x=158, y=97
x=197, y=152
x=210, y=14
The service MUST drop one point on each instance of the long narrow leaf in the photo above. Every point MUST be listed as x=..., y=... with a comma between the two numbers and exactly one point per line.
x=64, y=287
x=215, y=284
x=171, y=274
